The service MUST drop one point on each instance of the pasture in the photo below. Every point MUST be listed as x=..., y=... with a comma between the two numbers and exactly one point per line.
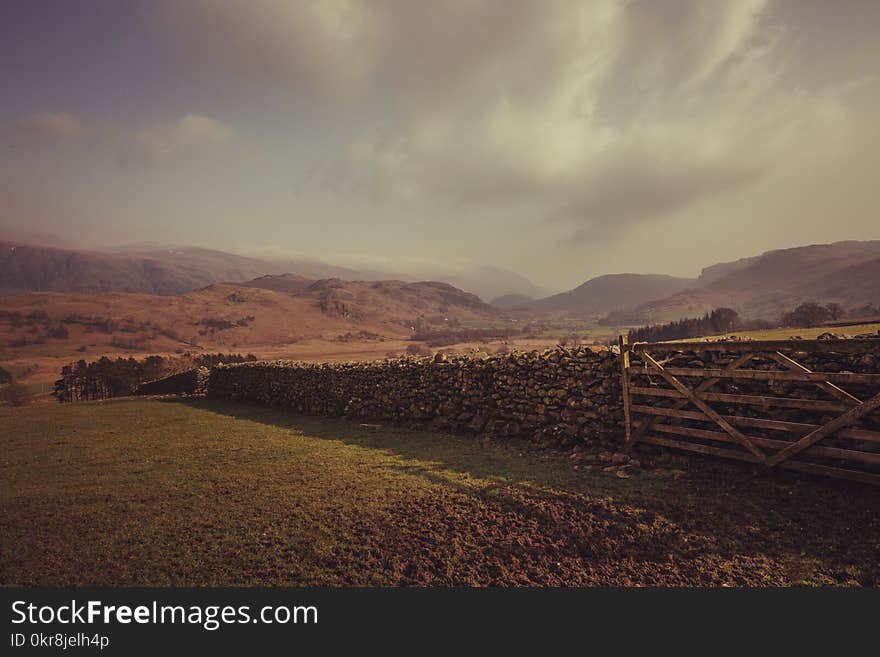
x=200, y=493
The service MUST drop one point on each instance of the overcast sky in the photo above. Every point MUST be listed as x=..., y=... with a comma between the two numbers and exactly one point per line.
x=558, y=139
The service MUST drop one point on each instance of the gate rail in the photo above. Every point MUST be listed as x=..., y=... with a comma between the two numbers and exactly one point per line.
x=835, y=432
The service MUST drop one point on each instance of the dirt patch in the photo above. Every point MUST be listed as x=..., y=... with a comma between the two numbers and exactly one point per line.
x=509, y=536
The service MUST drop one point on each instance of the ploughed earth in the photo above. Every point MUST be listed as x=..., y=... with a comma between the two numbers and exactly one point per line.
x=162, y=492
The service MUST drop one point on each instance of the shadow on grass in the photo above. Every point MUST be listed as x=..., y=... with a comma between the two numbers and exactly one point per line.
x=517, y=461
x=728, y=510
x=511, y=462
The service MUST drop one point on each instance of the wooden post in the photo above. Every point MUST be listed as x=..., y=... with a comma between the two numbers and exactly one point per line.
x=624, y=386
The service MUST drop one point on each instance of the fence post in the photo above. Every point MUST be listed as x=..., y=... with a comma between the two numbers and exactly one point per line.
x=624, y=387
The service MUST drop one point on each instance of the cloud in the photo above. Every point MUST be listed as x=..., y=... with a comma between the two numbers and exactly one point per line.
x=162, y=144
x=51, y=125
x=605, y=115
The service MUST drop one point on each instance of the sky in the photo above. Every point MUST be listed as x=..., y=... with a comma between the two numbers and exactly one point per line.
x=558, y=139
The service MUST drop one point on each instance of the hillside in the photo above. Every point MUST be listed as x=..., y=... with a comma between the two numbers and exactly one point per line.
x=512, y=301
x=774, y=282
x=26, y=268
x=605, y=293
x=289, y=283
x=226, y=316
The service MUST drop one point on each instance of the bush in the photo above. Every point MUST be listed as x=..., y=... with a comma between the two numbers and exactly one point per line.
x=14, y=394
x=417, y=350
x=59, y=332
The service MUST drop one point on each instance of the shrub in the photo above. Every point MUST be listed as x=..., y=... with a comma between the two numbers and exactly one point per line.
x=417, y=350
x=14, y=394
x=59, y=332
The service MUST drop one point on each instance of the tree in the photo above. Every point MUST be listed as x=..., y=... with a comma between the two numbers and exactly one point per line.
x=723, y=320
x=835, y=310
x=720, y=320
x=807, y=314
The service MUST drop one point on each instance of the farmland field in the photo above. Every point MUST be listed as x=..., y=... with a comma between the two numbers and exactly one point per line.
x=161, y=492
x=804, y=333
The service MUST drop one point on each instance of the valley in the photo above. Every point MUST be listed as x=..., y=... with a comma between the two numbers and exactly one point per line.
x=85, y=305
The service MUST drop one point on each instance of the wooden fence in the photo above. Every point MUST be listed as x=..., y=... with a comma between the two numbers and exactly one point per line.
x=758, y=402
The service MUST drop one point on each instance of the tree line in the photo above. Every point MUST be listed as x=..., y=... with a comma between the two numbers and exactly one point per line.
x=720, y=320
x=724, y=320
x=105, y=377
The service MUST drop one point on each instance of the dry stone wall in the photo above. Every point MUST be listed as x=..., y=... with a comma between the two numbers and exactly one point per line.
x=561, y=396
x=190, y=382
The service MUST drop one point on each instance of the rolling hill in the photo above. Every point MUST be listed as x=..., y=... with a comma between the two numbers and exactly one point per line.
x=606, y=293
x=223, y=316
x=289, y=283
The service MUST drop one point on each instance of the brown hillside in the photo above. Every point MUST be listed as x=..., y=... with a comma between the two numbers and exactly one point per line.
x=226, y=316
x=605, y=293
x=765, y=286
x=26, y=268
x=289, y=283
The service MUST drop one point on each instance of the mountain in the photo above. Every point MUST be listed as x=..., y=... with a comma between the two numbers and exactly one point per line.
x=512, y=301
x=612, y=291
x=486, y=282
x=774, y=282
x=153, y=268
x=28, y=268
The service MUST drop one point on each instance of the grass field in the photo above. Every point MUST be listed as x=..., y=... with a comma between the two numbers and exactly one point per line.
x=154, y=492
x=805, y=333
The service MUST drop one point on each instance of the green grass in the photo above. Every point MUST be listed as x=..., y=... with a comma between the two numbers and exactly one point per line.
x=153, y=492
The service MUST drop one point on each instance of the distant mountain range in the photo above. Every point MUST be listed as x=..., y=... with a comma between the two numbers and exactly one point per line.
x=774, y=282
x=28, y=268
x=169, y=270
x=762, y=286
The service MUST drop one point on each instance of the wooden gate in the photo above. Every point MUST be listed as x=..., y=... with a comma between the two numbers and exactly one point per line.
x=759, y=402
